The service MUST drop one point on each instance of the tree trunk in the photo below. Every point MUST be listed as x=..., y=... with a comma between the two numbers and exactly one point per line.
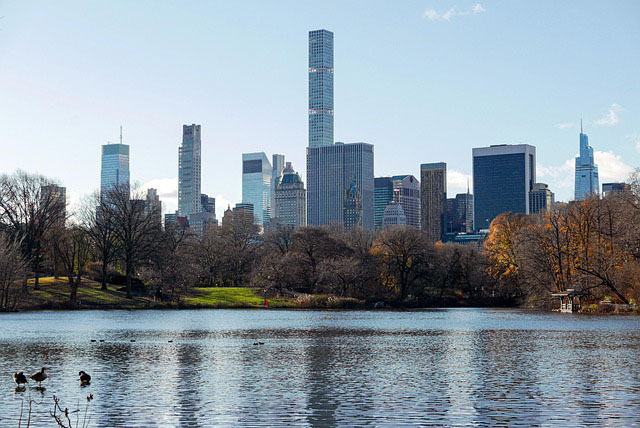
x=104, y=276
x=36, y=281
x=73, y=285
x=128, y=282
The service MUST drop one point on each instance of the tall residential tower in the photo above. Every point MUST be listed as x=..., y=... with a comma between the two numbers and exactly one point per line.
x=339, y=176
x=320, y=88
x=433, y=194
x=189, y=178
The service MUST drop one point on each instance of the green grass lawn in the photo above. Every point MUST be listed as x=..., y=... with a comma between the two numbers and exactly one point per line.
x=231, y=297
x=54, y=293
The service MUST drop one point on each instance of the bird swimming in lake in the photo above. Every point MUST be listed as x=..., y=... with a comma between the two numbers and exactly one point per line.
x=85, y=378
x=39, y=376
x=19, y=378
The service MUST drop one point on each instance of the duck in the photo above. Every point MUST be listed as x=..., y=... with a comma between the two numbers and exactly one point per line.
x=19, y=378
x=85, y=378
x=39, y=376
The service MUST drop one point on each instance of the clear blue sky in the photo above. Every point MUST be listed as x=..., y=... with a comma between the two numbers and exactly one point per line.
x=423, y=81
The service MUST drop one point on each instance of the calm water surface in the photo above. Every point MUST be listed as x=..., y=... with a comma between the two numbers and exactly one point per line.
x=446, y=367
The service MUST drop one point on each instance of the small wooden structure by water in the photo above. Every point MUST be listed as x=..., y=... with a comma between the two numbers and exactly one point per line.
x=569, y=300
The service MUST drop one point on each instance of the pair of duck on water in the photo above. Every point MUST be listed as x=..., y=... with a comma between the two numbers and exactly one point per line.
x=20, y=379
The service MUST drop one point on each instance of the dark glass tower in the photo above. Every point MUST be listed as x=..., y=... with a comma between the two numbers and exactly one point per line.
x=503, y=177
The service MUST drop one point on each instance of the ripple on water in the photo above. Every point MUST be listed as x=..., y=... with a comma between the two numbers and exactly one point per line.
x=448, y=367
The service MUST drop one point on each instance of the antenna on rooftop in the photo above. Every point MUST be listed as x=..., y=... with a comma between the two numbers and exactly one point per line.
x=120, y=134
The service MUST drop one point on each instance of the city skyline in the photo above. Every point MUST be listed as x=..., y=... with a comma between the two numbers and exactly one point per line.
x=609, y=109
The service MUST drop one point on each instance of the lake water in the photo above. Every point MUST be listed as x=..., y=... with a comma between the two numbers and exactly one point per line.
x=479, y=367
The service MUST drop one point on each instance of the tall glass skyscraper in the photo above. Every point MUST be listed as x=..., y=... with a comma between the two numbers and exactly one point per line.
x=256, y=184
x=587, y=182
x=115, y=166
x=503, y=177
x=320, y=88
x=189, y=178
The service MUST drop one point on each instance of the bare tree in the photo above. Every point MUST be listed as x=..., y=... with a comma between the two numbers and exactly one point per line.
x=280, y=238
x=174, y=262
x=100, y=225
x=12, y=271
x=135, y=227
x=73, y=248
x=28, y=212
x=241, y=239
x=212, y=256
x=404, y=253
x=310, y=246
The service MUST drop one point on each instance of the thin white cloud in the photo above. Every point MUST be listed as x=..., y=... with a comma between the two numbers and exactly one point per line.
x=477, y=8
x=611, y=167
x=566, y=125
x=433, y=15
x=610, y=118
x=638, y=145
x=457, y=183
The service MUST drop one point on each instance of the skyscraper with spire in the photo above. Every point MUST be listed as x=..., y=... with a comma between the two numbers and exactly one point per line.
x=114, y=170
x=587, y=182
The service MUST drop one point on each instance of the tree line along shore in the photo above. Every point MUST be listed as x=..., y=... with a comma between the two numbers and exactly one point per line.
x=112, y=252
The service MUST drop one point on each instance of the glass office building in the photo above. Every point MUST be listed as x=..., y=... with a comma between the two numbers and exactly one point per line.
x=114, y=170
x=382, y=196
x=587, y=182
x=503, y=177
x=320, y=88
x=189, y=178
x=330, y=172
x=256, y=184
